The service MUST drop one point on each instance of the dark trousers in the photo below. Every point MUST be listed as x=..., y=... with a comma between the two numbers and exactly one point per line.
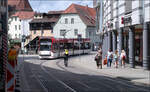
x=109, y=61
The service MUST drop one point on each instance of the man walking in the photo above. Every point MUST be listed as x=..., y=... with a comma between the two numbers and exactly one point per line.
x=66, y=57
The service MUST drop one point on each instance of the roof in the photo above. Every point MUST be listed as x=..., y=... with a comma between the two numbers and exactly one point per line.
x=24, y=14
x=55, y=12
x=20, y=5
x=86, y=13
x=44, y=20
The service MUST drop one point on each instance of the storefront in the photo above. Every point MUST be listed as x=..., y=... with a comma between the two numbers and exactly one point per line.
x=138, y=46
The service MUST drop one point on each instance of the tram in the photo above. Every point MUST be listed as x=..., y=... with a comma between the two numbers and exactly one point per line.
x=50, y=47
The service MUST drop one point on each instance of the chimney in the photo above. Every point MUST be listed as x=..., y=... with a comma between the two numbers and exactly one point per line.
x=87, y=7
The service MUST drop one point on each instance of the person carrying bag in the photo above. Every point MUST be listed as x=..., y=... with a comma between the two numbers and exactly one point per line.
x=98, y=59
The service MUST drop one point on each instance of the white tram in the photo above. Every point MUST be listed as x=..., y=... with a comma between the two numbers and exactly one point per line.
x=50, y=47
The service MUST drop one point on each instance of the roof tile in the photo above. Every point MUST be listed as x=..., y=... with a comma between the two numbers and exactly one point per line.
x=86, y=13
x=24, y=14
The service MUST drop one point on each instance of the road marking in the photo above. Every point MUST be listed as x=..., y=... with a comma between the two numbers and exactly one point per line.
x=45, y=89
x=61, y=82
x=84, y=84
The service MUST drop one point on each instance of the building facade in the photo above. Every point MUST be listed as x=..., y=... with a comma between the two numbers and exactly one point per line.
x=20, y=14
x=3, y=44
x=126, y=26
x=77, y=20
x=41, y=25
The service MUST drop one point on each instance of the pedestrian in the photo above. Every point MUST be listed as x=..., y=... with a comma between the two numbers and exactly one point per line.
x=109, y=58
x=98, y=58
x=66, y=54
x=123, y=57
x=115, y=58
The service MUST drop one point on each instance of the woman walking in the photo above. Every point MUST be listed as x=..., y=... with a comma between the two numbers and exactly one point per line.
x=109, y=58
x=98, y=58
x=123, y=57
x=115, y=57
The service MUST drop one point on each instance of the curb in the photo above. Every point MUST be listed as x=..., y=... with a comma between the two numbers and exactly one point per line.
x=113, y=76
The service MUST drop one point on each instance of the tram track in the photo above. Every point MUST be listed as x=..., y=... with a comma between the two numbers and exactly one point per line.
x=43, y=78
x=119, y=81
x=55, y=78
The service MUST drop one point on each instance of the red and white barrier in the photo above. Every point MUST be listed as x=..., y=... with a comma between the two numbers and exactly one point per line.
x=11, y=69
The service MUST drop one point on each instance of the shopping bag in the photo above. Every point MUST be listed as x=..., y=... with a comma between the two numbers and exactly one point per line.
x=105, y=61
x=96, y=58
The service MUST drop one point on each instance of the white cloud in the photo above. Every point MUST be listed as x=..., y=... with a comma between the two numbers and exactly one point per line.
x=53, y=5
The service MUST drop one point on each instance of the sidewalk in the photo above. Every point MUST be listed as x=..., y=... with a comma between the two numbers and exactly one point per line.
x=137, y=75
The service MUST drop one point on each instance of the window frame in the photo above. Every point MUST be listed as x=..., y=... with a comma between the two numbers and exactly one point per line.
x=75, y=32
x=66, y=20
x=72, y=20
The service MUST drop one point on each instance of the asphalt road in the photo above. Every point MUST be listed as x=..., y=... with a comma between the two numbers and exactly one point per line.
x=52, y=76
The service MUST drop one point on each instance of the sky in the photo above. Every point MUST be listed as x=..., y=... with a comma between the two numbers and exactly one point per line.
x=55, y=5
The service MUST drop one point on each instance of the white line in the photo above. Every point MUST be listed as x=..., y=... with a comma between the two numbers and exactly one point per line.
x=61, y=82
x=45, y=89
x=83, y=84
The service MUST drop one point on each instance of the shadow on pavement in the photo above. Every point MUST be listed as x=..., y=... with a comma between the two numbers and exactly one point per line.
x=55, y=79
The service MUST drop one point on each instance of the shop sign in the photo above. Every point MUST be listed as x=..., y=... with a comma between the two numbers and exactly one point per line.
x=128, y=20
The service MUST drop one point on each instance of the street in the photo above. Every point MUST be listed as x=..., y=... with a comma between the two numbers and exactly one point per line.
x=51, y=76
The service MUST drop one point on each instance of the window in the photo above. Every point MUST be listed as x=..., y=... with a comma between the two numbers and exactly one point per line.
x=66, y=21
x=19, y=27
x=15, y=27
x=19, y=35
x=72, y=20
x=15, y=18
x=90, y=34
x=62, y=32
x=34, y=31
x=16, y=35
x=75, y=32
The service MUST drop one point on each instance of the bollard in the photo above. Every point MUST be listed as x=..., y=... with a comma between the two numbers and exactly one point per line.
x=11, y=65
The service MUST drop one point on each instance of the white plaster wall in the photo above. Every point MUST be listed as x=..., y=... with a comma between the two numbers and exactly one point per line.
x=121, y=10
x=135, y=4
x=147, y=14
x=25, y=29
x=121, y=2
x=78, y=24
x=11, y=30
x=135, y=17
